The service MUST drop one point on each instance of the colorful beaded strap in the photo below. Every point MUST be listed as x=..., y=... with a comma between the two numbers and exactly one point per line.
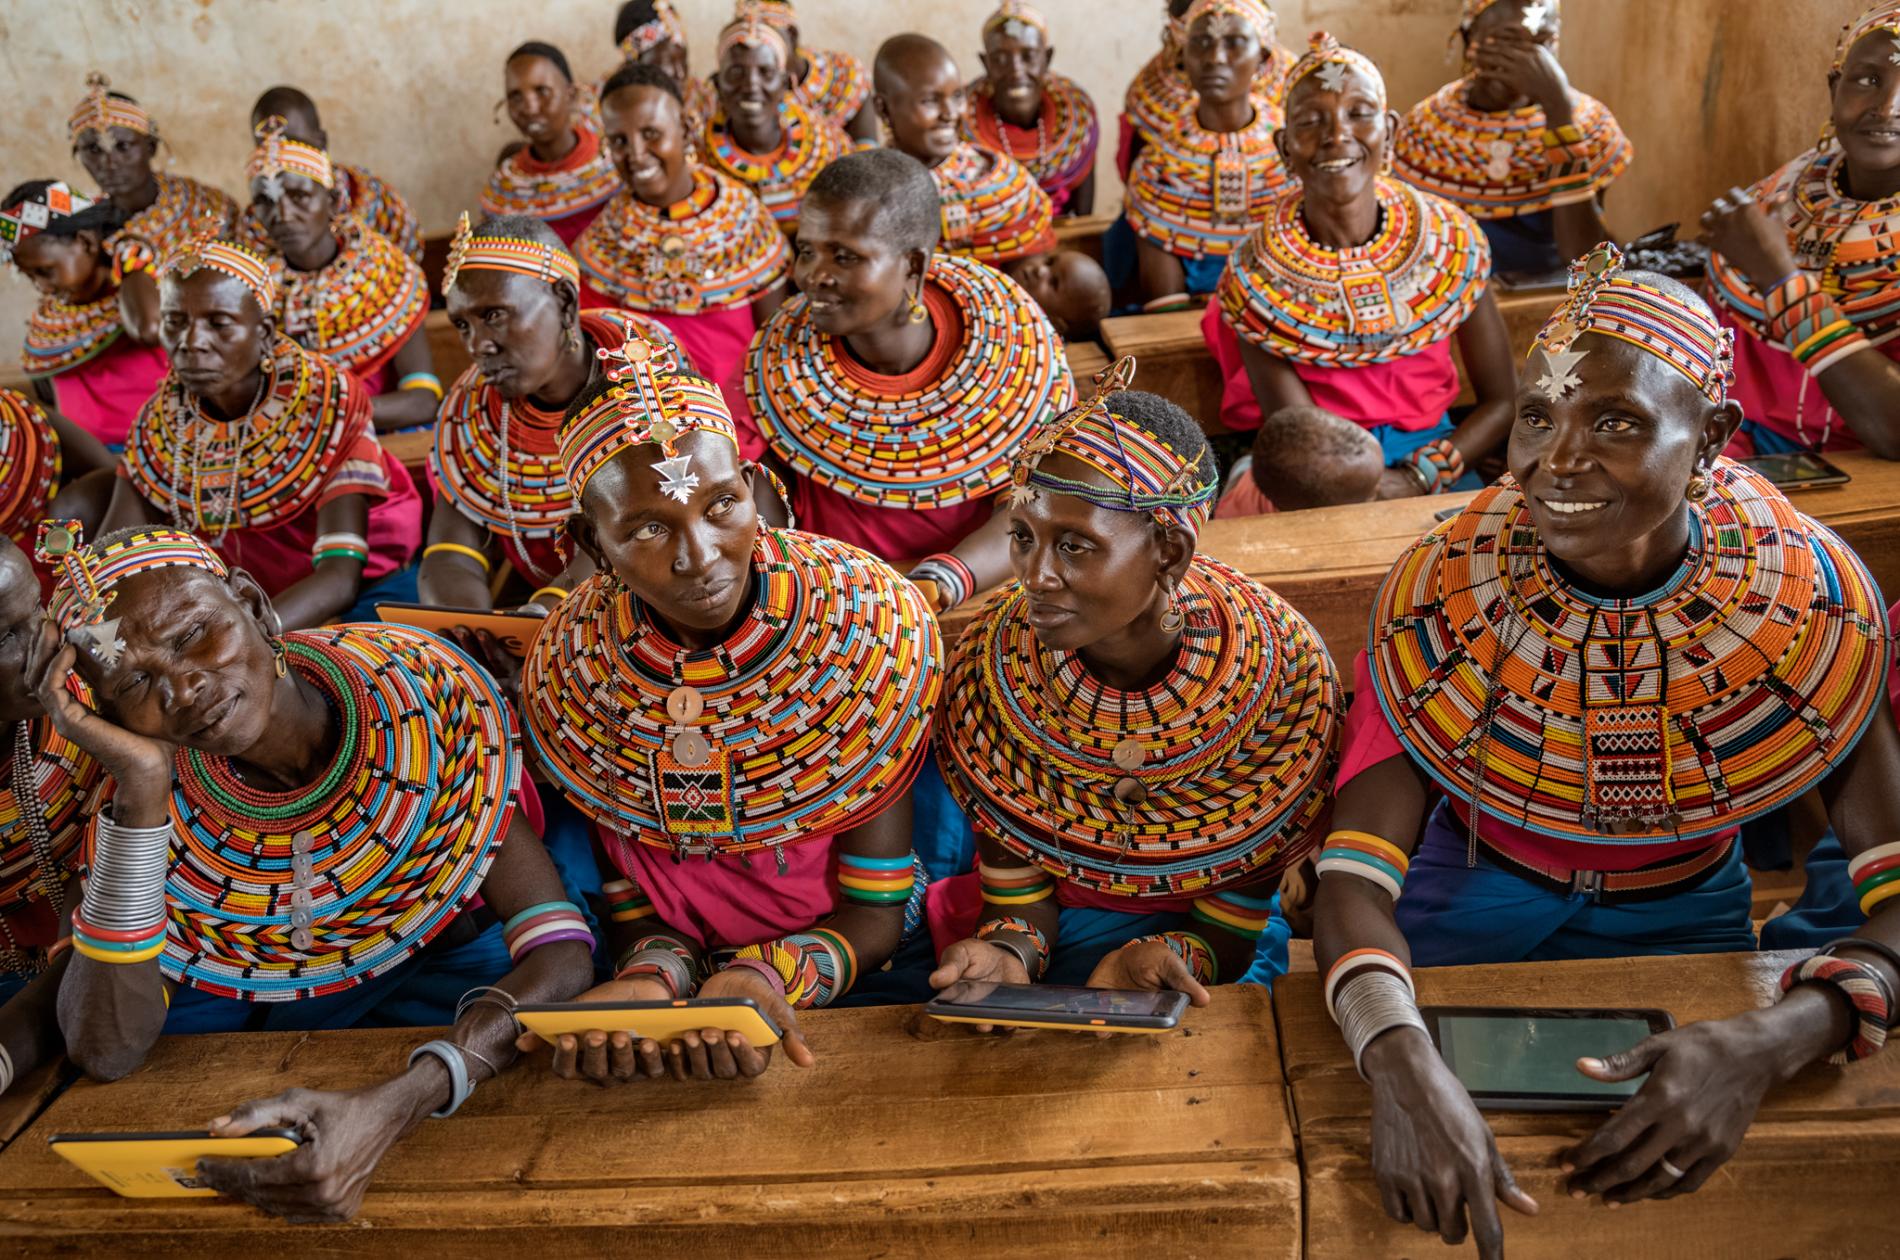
x=1498, y=165
x=515, y=255
x=719, y=247
x=993, y=209
x=101, y=111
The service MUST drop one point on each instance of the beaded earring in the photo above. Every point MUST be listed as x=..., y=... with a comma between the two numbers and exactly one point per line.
x=279, y=657
x=1172, y=620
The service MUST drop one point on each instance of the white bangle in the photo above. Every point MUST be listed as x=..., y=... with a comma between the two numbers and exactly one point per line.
x=1375, y=1002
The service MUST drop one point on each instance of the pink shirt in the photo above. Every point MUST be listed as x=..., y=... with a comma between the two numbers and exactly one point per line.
x=1774, y=391
x=728, y=902
x=103, y=395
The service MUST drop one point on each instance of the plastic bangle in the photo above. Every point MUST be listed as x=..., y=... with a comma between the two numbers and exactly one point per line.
x=488, y=566
x=421, y=380
x=555, y=591
x=764, y=968
x=450, y=1056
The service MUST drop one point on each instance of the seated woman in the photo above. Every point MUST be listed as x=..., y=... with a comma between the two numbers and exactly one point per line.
x=48, y=467
x=895, y=388
x=345, y=292
x=266, y=789
x=650, y=33
x=1605, y=665
x=93, y=336
x=1030, y=114
x=262, y=448
x=1805, y=271
x=682, y=242
x=1512, y=144
x=741, y=710
x=1142, y=738
x=116, y=141
x=358, y=193
x=1351, y=292
x=1161, y=93
x=760, y=135
x=1200, y=185
x=513, y=294
x=562, y=175
x=832, y=85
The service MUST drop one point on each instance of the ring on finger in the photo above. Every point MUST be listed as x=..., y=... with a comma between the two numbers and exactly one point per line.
x=1675, y=1173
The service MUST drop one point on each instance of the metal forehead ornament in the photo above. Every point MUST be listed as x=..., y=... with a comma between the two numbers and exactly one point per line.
x=62, y=543
x=639, y=361
x=1536, y=15
x=1332, y=76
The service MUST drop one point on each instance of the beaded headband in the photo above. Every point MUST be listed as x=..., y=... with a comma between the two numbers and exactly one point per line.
x=750, y=30
x=1266, y=26
x=469, y=252
x=87, y=575
x=776, y=13
x=1538, y=14
x=1882, y=17
x=36, y=213
x=647, y=36
x=207, y=251
x=1015, y=11
x=277, y=155
x=1602, y=300
x=101, y=111
x=648, y=403
x=1330, y=59
x=1147, y=474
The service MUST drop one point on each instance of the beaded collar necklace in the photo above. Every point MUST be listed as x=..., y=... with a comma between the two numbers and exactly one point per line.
x=807, y=144
x=29, y=464
x=361, y=307
x=40, y=828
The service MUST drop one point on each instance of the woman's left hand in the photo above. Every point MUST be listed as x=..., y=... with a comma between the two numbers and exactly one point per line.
x=1515, y=58
x=1705, y=1082
x=1737, y=228
x=1149, y=966
x=725, y=1055
x=324, y=1179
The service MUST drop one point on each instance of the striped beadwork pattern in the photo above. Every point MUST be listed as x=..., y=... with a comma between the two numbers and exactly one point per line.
x=360, y=308
x=993, y=208
x=1067, y=132
x=817, y=708
x=949, y=441
x=184, y=208
x=399, y=832
x=61, y=337
x=836, y=84
x=1496, y=165
x=808, y=143
x=719, y=247
x=1726, y=693
x=1197, y=193
x=1848, y=245
x=585, y=178
x=367, y=196
x=1239, y=742
x=29, y=466
x=63, y=792
x=1408, y=288
x=1161, y=93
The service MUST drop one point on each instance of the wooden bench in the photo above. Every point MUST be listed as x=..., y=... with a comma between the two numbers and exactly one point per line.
x=1046, y=1144
x=1823, y=1153
x=1084, y=233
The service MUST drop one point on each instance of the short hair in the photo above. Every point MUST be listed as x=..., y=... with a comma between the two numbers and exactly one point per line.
x=524, y=227
x=633, y=74
x=546, y=52
x=285, y=100
x=897, y=182
x=101, y=216
x=1298, y=456
x=910, y=42
x=1165, y=419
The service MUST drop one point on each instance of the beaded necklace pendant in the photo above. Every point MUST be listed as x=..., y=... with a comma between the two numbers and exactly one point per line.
x=1197, y=193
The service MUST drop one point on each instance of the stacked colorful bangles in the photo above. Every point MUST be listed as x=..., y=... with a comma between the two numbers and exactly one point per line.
x=1875, y=875
x=122, y=918
x=1367, y=856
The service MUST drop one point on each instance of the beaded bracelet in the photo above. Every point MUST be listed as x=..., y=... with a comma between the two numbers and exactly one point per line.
x=1358, y=960
x=450, y=1056
x=875, y=881
x=340, y=547
x=1802, y=317
x=422, y=380
x=545, y=924
x=1875, y=875
x=488, y=566
x=1242, y=915
x=1369, y=857
x=660, y=963
x=990, y=929
x=955, y=583
x=1190, y=949
x=1437, y=466
x=1866, y=990
x=774, y=961
x=625, y=902
x=1014, y=885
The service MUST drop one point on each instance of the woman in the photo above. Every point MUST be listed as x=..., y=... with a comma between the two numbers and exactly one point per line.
x=1351, y=292
x=562, y=175
x=897, y=385
x=1161, y=92
x=741, y=711
x=1596, y=663
x=1030, y=114
x=650, y=33
x=1511, y=142
x=263, y=448
x=686, y=244
x=48, y=467
x=760, y=136
x=1198, y=188
x=116, y=141
x=513, y=295
x=92, y=337
x=1142, y=738
x=833, y=85
x=292, y=819
x=1804, y=269
x=345, y=292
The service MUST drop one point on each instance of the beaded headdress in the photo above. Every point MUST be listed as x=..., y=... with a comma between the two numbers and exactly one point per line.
x=1539, y=15
x=1016, y=12
x=469, y=252
x=87, y=575
x=101, y=111
x=1266, y=26
x=206, y=250
x=1147, y=475
x=1330, y=60
x=665, y=26
x=1602, y=300
x=277, y=155
x=644, y=406
x=776, y=13
x=751, y=30
x=1882, y=17
x=33, y=215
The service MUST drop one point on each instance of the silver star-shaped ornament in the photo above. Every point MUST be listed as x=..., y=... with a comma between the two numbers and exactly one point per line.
x=677, y=477
x=1332, y=76
x=106, y=643
x=1019, y=495
x=1894, y=56
x=1560, y=372
x=1536, y=14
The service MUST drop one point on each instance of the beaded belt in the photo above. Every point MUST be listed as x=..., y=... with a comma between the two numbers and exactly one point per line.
x=1609, y=888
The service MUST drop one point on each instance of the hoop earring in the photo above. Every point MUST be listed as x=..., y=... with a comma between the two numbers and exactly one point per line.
x=279, y=657
x=918, y=312
x=1698, y=488
x=1172, y=620
x=570, y=339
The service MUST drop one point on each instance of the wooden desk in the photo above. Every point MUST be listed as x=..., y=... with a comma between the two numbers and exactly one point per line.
x=1822, y=1156
x=1047, y=1144
x=1084, y=233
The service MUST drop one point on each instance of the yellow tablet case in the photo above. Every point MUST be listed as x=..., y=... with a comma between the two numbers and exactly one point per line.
x=159, y=1165
x=1021, y=1021
x=661, y=1022
x=514, y=631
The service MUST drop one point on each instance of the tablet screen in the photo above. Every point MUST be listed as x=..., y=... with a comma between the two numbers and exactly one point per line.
x=1052, y=999
x=1527, y=1053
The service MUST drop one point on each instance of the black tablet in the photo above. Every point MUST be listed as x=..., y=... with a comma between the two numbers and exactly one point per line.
x=1525, y=1059
x=1797, y=470
x=1060, y=1007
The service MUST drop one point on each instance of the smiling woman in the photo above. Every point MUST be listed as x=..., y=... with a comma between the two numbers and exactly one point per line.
x=760, y=135
x=562, y=174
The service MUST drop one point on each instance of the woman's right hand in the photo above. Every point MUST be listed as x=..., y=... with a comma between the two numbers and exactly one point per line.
x=606, y=1058
x=978, y=965
x=141, y=767
x=1433, y=1155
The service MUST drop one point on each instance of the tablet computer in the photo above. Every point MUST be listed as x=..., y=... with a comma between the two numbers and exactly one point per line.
x=514, y=631
x=1059, y=1007
x=1797, y=470
x=662, y=1021
x=1525, y=1059
x=163, y=1165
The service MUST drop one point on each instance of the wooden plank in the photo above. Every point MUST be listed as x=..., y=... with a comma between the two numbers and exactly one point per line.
x=1175, y=1143
x=22, y=1104
x=1083, y=232
x=1829, y=1139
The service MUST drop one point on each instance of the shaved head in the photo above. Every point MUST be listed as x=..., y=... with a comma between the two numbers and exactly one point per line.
x=901, y=58
x=297, y=110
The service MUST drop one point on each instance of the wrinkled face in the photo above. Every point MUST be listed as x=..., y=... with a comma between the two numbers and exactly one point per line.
x=1070, y=287
x=925, y=109
x=1087, y=572
x=1222, y=56
x=690, y=562
x=197, y=668
x=19, y=622
x=295, y=210
x=213, y=331
x=1335, y=142
x=511, y=325
x=751, y=82
x=120, y=161
x=540, y=99
x=1015, y=59
x=69, y=269
x=645, y=135
x=853, y=275
x=1866, y=103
